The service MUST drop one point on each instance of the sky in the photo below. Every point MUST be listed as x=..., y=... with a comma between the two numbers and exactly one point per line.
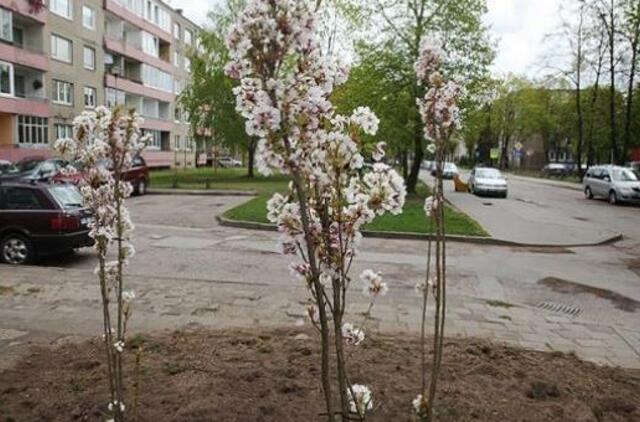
x=518, y=26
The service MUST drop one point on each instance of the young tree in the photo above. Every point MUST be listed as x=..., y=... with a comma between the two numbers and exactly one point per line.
x=440, y=114
x=114, y=137
x=284, y=94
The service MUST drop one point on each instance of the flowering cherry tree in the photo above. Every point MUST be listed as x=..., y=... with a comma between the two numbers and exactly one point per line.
x=104, y=144
x=284, y=95
x=441, y=116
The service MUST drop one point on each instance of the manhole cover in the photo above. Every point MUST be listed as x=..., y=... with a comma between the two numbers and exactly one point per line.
x=559, y=308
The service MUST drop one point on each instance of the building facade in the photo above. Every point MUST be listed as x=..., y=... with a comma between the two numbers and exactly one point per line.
x=61, y=57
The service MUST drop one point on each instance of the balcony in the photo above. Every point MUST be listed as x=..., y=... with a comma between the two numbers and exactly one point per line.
x=119, y=46
x=134, y=87
x=28, y=94
x=27, y=9
x=25, y=45
x=120, y=11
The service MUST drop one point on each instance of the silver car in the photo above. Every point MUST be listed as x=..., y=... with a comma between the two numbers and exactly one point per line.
x=488, y=181
x=618, y=184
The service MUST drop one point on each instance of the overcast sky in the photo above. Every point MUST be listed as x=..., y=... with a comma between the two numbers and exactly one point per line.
x=519, y=26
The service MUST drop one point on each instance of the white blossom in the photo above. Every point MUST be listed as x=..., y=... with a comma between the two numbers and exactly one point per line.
x=360, y=399
x=352, y=336
x=372, y=284
x=365, y=119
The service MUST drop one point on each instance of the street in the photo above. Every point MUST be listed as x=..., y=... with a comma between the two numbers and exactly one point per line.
x=539, y=211
x=188, y=269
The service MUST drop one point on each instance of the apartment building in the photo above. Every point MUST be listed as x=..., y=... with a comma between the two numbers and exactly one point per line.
x=60, y=57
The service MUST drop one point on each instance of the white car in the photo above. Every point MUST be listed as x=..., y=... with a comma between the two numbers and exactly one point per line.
x=617, y=184
x=488, y=181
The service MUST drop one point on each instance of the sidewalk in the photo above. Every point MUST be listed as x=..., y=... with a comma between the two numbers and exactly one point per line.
x=48, y=306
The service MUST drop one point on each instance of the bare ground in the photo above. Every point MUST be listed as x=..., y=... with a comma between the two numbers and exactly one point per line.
x=198, y=375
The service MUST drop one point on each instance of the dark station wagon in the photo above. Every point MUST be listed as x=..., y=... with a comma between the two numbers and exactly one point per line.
x=39, y=219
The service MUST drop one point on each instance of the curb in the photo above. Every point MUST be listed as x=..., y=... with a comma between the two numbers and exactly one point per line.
x=422, y=236
x=202, y=192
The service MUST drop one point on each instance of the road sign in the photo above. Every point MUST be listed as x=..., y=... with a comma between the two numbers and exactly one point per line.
x=518, y=146
x=495, y=153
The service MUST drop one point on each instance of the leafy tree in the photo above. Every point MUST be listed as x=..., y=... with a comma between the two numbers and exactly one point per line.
x=209, y=98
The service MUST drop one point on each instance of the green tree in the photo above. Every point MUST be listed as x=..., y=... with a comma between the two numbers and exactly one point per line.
x=458, y=26
x=209, y=98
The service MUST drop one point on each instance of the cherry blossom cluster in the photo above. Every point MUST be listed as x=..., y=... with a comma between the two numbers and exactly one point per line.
x=439, y=106
x=284, y=91
x=103, y=148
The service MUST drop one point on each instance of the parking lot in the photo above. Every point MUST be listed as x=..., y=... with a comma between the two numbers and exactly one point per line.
x=188, y=269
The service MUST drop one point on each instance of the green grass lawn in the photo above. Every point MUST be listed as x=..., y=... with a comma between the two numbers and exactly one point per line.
x=222, y=178
x=412, y=220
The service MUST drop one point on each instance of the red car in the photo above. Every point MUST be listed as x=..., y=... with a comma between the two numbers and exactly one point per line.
x=138, y=176
x=41, y=219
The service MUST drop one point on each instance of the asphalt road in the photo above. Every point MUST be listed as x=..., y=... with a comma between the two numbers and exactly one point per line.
x=542, y=212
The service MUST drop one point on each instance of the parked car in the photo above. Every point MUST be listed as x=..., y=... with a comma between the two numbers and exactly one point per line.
x=228, y=162
x=449, y=171
x=618, y=184
x=6, y=167
x=556, y=169
x=137, y=175
x=488, y=181
x=41, y=219
x=35, y=169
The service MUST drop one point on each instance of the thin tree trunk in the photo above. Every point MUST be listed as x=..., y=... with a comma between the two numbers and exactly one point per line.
x=612, y=88
x=629, y=107
x=251, y=158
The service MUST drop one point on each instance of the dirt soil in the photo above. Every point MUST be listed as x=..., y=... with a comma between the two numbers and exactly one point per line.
x=197, y=375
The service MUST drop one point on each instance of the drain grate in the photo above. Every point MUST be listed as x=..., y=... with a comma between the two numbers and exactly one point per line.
x=559, y=308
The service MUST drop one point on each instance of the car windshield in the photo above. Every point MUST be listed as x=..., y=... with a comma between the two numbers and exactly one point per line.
x=488, y=174
x=28, y=165
x=624, y=175
x=68, y=196
x=450, y=167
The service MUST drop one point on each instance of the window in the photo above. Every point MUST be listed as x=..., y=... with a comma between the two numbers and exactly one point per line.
x=62, y=93
x=21, y=199
x=33, y=130
x=61, y=49
x=188, y=37
x=88, y=18
x=89, y=58
x=6, y=79
x=114, y=97
x=150, y=44
x=176, y=59
x=6, y=24
x=63, y=8
x=156, y=78
x=155, y=138
x=63, y=131
x=177, y=144
x=187, y=64
x=177, y=114
x=90, y=97
x=157, y=15
x=176, y=30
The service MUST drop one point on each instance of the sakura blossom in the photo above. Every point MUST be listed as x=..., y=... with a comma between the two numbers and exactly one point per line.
x=352, y=336
x=372, y=284
x=379, y=151
x=365, y=119
x=284, y=93
x=441, y=116
x=360, y=399
x=114, y=137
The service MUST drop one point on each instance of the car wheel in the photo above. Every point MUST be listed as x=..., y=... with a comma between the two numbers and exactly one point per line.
x=141, y=189
x=613, y=198
x=587, y=193
x=16, y=249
